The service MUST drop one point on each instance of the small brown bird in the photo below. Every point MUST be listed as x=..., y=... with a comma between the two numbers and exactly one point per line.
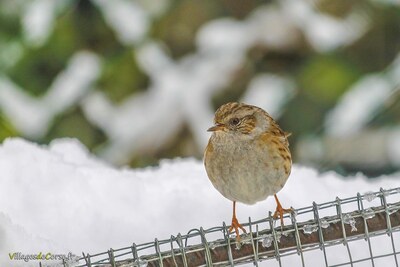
x=247, y=157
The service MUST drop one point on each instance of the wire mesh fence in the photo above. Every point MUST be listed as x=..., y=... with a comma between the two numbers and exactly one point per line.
x=370, y=221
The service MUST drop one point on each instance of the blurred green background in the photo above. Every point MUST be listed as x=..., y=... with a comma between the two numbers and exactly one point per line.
x=331, y=47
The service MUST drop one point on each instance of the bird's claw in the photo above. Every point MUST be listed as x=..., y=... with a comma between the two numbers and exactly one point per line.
x=235, y=226
x=279, y=213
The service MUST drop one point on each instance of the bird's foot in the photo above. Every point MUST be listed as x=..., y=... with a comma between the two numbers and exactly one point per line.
x=279, y=213
x=235, y=226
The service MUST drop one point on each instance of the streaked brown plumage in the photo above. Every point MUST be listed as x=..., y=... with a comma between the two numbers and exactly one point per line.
x=247, y=157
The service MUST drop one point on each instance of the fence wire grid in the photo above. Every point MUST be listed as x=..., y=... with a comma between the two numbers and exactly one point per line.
x=370, y=220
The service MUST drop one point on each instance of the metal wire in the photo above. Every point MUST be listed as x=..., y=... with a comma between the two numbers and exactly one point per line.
x=273, y=243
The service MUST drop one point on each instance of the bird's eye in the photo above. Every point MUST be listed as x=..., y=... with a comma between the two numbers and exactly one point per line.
x=234, y=121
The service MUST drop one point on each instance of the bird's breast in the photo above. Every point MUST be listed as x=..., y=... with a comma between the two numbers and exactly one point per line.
x=243, y=170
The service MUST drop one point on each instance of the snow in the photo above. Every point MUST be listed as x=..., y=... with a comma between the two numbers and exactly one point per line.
x=60, y=198
x=349, y=116
x=127, y=18
x=33, y=116
x=360, y=104
x=324, y=32
x=393, y=146
x=270, y=92
x=180, y=89
x=38, y=21
x=130, y=20
x=386, y=2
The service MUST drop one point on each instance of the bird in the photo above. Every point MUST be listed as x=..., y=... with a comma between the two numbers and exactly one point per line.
x=247, y=158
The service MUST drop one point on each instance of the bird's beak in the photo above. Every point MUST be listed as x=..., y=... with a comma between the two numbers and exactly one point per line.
x=216, y=127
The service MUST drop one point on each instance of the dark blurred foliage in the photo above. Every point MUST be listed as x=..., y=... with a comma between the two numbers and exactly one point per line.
x=322, y=78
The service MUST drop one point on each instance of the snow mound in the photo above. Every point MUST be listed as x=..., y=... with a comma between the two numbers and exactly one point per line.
x=59, y=198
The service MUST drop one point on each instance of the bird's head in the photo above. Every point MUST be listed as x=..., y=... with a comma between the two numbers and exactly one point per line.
x=239, y=118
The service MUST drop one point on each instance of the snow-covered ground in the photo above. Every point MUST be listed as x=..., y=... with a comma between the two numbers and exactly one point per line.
x=59, y=198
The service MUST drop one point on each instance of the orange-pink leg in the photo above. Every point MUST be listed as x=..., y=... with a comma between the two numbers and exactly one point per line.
x=279, y=210
x=235, y=224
